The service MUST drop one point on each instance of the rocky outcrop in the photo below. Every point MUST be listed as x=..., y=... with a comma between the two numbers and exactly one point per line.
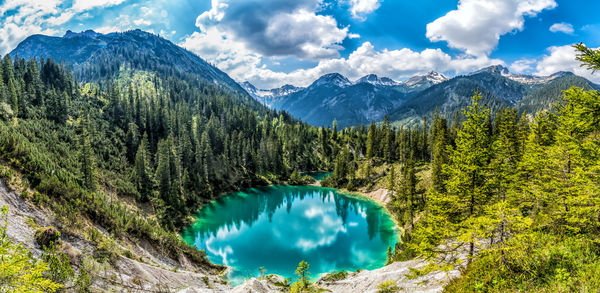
x=367, y=281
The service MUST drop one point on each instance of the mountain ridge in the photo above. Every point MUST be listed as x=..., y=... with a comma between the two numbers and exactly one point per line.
x=88, y=48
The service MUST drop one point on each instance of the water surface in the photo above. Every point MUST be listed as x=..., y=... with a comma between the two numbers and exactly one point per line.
x=276, y=227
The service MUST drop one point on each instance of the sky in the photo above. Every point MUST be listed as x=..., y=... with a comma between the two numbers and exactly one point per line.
x=275, y=42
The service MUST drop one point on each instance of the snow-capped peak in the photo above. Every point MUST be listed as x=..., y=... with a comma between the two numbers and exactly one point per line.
x=375, y=80
x=266, y=96
x=332, y=79
x=496, y=69
x=427, y=79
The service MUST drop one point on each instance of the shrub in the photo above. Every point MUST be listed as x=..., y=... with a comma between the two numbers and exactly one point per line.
x=47, y=236
x=336, y=276
x=106, y=251
x=388, y=287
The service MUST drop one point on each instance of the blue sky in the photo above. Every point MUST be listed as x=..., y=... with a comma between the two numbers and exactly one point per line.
x=274, y=42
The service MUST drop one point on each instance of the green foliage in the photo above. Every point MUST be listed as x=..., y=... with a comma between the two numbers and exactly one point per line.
x=541, y=263
x=303, y=282
x=334, y=277
x=60, y=270
x=388, y=287
x=19, y=270
x=589, y=58
x=106, y=251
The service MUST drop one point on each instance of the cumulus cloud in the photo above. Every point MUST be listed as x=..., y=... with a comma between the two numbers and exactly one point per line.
x=360, y=8
x=563, y=27
x=22, y=18
x=238, y=36
x=242, y=64
x=277, y=28
x=562, y=58
x=522, y=65
x=83, y=5
x=476, y=25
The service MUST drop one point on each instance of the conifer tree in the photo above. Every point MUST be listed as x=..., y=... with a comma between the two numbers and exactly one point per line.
x=88, y=164
x=142, y=170
x=371, y=141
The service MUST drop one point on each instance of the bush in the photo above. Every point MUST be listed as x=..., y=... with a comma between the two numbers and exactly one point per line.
x=107, y=251
x=47, y=236
x=388, y=287
x=333, y=277
x=539, y=263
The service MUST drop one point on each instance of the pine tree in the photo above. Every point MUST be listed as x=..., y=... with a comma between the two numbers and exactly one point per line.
x=88, y=164
x=371, y=141
x=457, y=217
x=392, y=181
x=142, y=171
x=408, y=192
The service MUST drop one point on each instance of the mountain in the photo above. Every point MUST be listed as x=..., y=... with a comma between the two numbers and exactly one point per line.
x=268, y=97
x=499, y=88
x=421, y=82
x=376, y=80
x=94, y=55
x=334, y=97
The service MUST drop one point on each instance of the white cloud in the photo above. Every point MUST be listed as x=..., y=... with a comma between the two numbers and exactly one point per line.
x=283, y=28
x=240, y=62
x=522, y=65
x=360, y=8
x=564, y=27
x=83, y=5
x=476, y=25
x=212, y=16
x=562, y=58
x=27, y=17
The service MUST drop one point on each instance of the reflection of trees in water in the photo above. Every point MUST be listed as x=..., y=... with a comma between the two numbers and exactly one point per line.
x=246, y=207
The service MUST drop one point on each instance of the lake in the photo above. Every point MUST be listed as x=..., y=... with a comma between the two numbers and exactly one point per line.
x=276, y=227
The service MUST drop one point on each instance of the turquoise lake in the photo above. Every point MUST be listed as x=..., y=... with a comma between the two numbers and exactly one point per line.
x=276, y=227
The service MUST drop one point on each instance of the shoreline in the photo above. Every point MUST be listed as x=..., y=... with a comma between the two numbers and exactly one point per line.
x=379, y=197
x=373, y=196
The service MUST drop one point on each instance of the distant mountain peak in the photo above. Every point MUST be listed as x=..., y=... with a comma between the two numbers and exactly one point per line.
x=268, y=97
x=494, y=69
x=376, y=80
x=425, y=80
x=332, y=79
x=247, y=85
x=88, y=33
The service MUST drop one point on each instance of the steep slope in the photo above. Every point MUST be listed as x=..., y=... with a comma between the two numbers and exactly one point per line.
x=94, y=55
x=543, y=97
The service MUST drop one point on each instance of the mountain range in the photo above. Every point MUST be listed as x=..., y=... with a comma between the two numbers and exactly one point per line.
x=94, y=56
x=370, y=98
x=335, y=97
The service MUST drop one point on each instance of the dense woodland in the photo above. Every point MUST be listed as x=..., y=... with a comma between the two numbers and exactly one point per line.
x=514, y=198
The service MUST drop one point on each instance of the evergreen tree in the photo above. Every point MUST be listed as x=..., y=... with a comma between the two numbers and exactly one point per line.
x=88, y=164
x=371, y=141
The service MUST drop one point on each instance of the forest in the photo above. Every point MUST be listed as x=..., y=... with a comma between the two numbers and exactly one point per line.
x=513, y=201
x=139, y=152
